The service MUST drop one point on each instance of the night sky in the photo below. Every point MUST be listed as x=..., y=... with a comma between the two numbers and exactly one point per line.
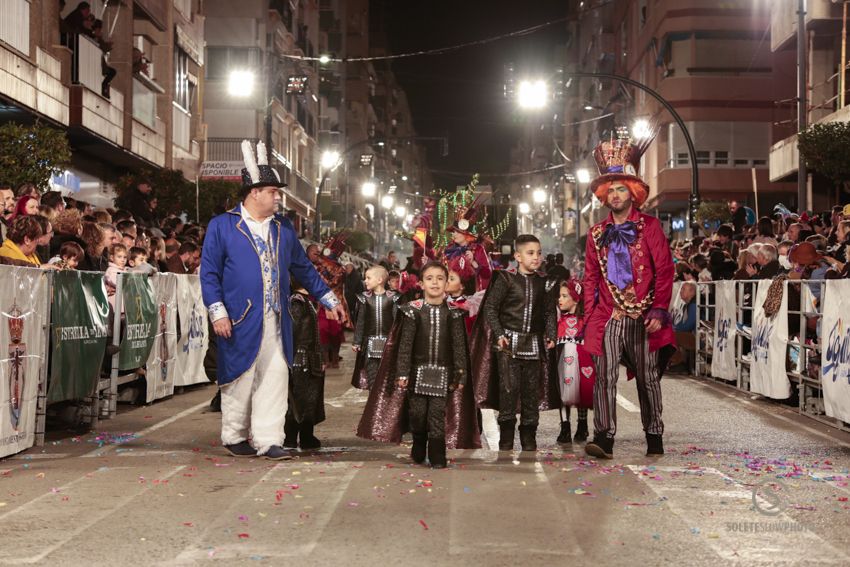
x=461, y=92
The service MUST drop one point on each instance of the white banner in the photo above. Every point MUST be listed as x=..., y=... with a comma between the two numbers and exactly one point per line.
x=835, y=348
x=768, y=375
x=723, y=355
x=24, y=301
x=162, y=362
x=193, y=342
x=676, y=303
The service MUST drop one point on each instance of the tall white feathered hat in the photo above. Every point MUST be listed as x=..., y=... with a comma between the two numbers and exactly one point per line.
x=257, y=171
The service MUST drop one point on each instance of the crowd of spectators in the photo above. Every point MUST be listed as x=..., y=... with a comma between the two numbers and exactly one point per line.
x=55, y=232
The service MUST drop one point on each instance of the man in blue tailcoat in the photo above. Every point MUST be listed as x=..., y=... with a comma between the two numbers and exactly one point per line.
x=248, y=254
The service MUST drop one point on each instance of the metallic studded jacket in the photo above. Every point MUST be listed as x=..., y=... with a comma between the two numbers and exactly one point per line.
x=375, y=316
x=435, y=335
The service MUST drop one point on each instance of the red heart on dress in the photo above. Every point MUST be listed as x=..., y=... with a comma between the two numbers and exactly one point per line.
x=587, y=371
x=569, y=360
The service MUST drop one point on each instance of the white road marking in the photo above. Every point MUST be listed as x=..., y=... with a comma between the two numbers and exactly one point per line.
x=351, y=396
x=100, y=451
x=35, y=456
x=626, y=404
x=42, y=515
x=734, y=530
x=269, y=544
x=762, y=409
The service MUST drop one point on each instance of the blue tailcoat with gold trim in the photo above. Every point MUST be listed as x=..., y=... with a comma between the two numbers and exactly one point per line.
x=231, y=273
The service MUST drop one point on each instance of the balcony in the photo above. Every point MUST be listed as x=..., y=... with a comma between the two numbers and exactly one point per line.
x=284, y=8
x=98, y=115
x=225, y=149
x=301, y=188
x=784, y=155
x=149, y=143
x=38, y=86
x=86, y=61
x=154, y=10
x=15, y=25
x=783, y=20
x=182, y=127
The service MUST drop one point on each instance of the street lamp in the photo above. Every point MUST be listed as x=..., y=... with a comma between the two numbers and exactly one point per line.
x=240, y=84
x=387, y=201
x=324, y=59
x=368, y=189
x=400, y=211
x=533, y=94
x=583, y=176
x=641, y=129
x=539, y=196
x=329, y=159
x=524, y=208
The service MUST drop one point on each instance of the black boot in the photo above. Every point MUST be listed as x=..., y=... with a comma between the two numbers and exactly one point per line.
x=290, y=432
x=420, y=447
x=601, y=447
x=506, y=435
x=581, y=431
x=654, y=445
x=308, y=440
x=437, y=453
x=215, y=403
x=565, y=437
x=528, y=437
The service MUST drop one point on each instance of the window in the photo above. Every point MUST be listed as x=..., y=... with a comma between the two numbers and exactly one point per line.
x=721, y=144
x=703, y=157
x=641, y=8
x=183, y=88
x=721, y=158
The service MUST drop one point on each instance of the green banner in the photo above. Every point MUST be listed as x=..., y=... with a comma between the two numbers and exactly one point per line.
x=80, y=318
x=141, y=317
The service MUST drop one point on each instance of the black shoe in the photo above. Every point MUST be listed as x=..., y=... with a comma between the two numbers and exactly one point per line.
x=437, y=453
x=528, y=437
x=309, y=441
x=581, y=431
x=241, y=449
x=215, y=403
x=654, y=445
x=290, y=433
x=278, y=453
x=507, y=429
x=565, y=438
x=600, y=447
x=420, y=447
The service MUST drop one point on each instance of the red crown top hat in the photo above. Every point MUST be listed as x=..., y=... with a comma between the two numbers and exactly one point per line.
x=618, y=159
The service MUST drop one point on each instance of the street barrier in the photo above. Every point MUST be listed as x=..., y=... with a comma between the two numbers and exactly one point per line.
x=797, y=351
x=56, y=327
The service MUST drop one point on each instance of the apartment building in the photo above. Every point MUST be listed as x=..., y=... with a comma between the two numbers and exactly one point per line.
x=713, y=62
x=149, y=117
x=256, y=90
x=823, y=23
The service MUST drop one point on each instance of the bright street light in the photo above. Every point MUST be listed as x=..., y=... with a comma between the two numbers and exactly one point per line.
x=583, y=176
x=324, y=59
x=329, y=159
x=539, y=196
x=533, y=94
x=404, y=178
x=240, y=84
x=641, y=129
x=369, y=189
x=524, y=208
x=387, y=201
x=400, y=211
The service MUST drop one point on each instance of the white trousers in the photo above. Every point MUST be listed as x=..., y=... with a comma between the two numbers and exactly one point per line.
x=255, y=405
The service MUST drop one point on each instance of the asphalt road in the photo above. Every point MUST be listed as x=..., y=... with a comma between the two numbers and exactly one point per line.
x=154, y=487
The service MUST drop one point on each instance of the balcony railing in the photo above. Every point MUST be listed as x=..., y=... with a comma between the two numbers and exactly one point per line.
x=182, y=132
x=225, y=149
x=86, y=66
x=144, y=104
x=15, y=25
x=284, y=8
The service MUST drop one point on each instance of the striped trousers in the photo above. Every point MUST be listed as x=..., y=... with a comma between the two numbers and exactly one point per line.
x=626, y=337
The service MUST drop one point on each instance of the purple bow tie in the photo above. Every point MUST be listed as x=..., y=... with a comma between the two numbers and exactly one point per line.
x=618, y=237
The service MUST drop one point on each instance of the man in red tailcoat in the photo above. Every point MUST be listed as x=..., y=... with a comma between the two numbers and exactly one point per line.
x=628, y=284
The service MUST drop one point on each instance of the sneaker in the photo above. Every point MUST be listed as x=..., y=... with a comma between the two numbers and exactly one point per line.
x=241, y=449
x=277, y=453
x=600, y=447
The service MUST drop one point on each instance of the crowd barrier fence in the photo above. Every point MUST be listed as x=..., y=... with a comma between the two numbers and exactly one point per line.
x=800, y=354
x=57, y=325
